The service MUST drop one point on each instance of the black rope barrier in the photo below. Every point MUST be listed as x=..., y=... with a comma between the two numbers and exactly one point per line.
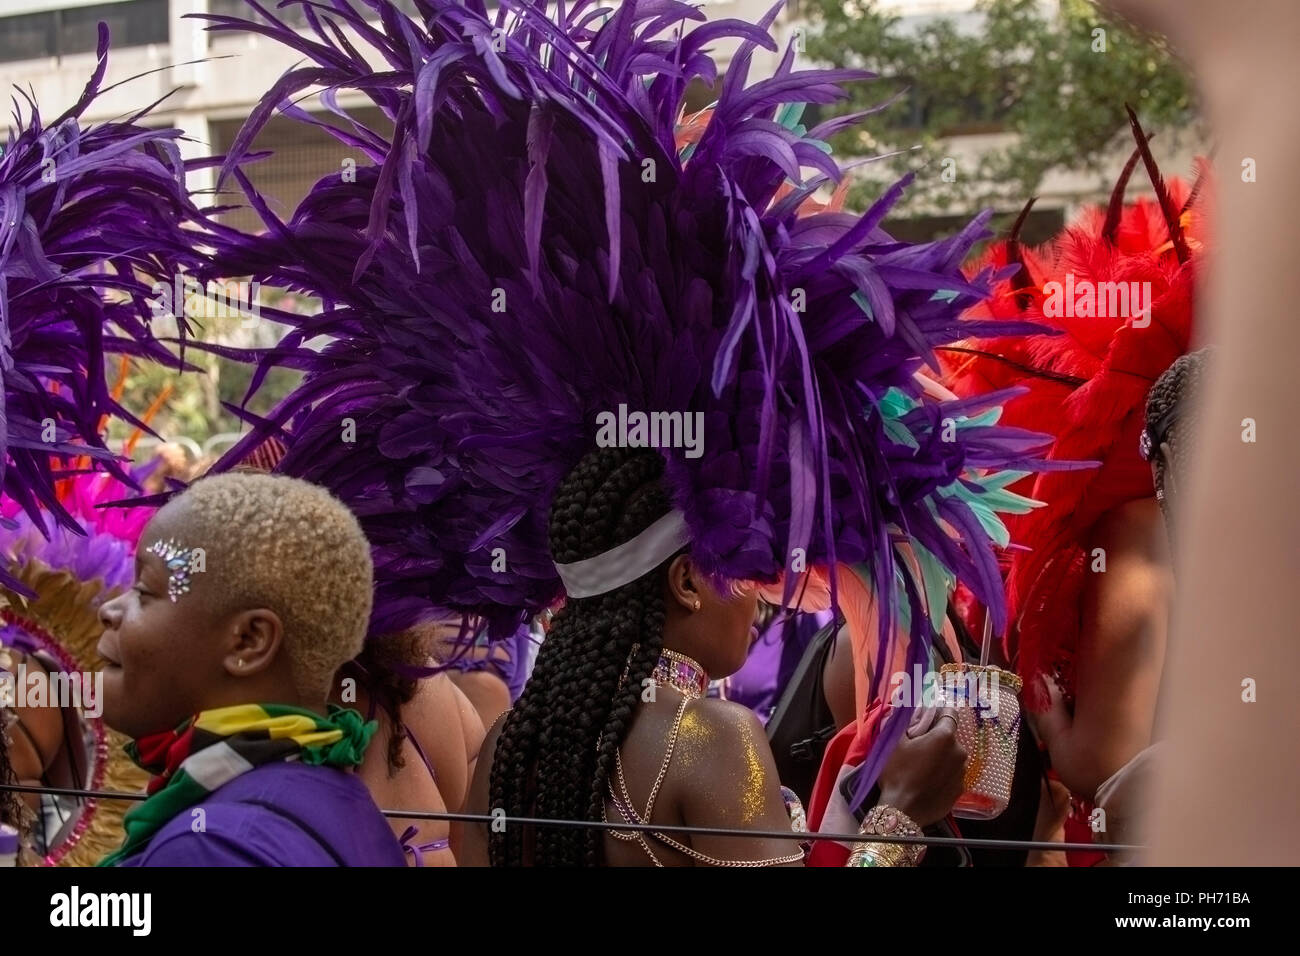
x=489, y=819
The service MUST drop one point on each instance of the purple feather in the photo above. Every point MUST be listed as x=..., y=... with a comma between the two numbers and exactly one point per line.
x=543, y=278
x=93, y=217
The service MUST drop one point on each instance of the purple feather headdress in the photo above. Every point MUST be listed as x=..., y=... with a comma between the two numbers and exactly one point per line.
x=90, y=218
x=530, y=248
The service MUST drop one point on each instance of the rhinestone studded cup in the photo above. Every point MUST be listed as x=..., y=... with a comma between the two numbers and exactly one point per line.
x=987, y=708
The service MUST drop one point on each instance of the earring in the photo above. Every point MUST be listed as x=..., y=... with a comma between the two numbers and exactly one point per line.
x=239, y=663
x=697, y=604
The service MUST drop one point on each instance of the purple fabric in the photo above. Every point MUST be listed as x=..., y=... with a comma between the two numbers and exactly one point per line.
x=522, y=655
x=772, y=661
x=417, y=850
x=514, y=668
x=237, y=832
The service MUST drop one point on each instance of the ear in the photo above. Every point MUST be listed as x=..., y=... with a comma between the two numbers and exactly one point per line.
x=682, y=588
x=258, y=634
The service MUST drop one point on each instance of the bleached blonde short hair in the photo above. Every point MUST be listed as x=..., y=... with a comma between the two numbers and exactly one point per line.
x=284, y=544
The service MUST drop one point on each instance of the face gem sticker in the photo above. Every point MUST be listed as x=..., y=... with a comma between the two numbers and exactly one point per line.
x=177, y=560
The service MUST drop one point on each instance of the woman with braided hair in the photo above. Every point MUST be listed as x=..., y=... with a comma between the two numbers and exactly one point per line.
x=615, y=717
x=556, y=751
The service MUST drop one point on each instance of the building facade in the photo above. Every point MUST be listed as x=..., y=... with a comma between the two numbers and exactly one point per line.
x=208, y=83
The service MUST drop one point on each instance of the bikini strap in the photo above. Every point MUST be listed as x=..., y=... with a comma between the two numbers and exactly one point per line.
x=396, y=721
x=417, y=850
x=428, y=764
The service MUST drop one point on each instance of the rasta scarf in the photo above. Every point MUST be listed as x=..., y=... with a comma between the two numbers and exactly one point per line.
x=216, y=746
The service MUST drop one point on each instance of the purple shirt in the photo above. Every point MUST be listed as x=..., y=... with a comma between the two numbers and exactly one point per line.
x=772, y=661
x=278, y=814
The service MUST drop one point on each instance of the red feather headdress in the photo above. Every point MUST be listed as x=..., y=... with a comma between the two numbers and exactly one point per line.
x=1087, y=382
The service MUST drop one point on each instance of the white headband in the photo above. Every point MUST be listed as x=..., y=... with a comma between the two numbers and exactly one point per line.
x=631, y=559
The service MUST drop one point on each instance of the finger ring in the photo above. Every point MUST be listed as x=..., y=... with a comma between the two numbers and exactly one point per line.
x=952, y=718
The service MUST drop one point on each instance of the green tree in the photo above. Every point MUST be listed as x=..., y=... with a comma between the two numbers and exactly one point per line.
x=191, y=404
x=1058, y=76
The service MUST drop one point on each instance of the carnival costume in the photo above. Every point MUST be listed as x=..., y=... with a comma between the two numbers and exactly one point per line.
x=544, y=248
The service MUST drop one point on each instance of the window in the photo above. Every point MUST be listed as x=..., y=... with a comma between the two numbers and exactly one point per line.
x=294, y=14
x=136, y=23
x=65, y=32
x=300, y=156
x=27, y=37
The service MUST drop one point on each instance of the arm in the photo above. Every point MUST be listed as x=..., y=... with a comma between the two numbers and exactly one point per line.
x=469, y=841
x=1121, y=653
x=837, y=680
x=733, y=784
x=473, y=733
x=486, y=692
x=921, y=780
x=450, y=732
x=37, y=737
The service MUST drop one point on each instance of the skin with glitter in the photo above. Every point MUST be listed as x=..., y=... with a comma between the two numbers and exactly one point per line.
x=749, y=784
x=753, y=785
x=179, y=562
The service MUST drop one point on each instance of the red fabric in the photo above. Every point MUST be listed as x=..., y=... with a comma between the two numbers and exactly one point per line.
x=832, y=761
x=847, y=748
x=1077, y=830
x=163, y=753
x=828, y=853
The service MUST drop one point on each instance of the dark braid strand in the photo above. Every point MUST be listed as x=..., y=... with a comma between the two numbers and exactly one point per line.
x=1175, y=391
x=556, y=750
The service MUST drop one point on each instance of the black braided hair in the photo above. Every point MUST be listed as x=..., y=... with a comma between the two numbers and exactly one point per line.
x=1171, y=409
x=556, y=750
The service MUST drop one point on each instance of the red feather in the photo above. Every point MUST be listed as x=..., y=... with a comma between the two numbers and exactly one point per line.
x=1087, y=385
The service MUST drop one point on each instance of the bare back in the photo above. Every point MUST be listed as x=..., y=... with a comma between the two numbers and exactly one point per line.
x=448, y=731
x=721, y=774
